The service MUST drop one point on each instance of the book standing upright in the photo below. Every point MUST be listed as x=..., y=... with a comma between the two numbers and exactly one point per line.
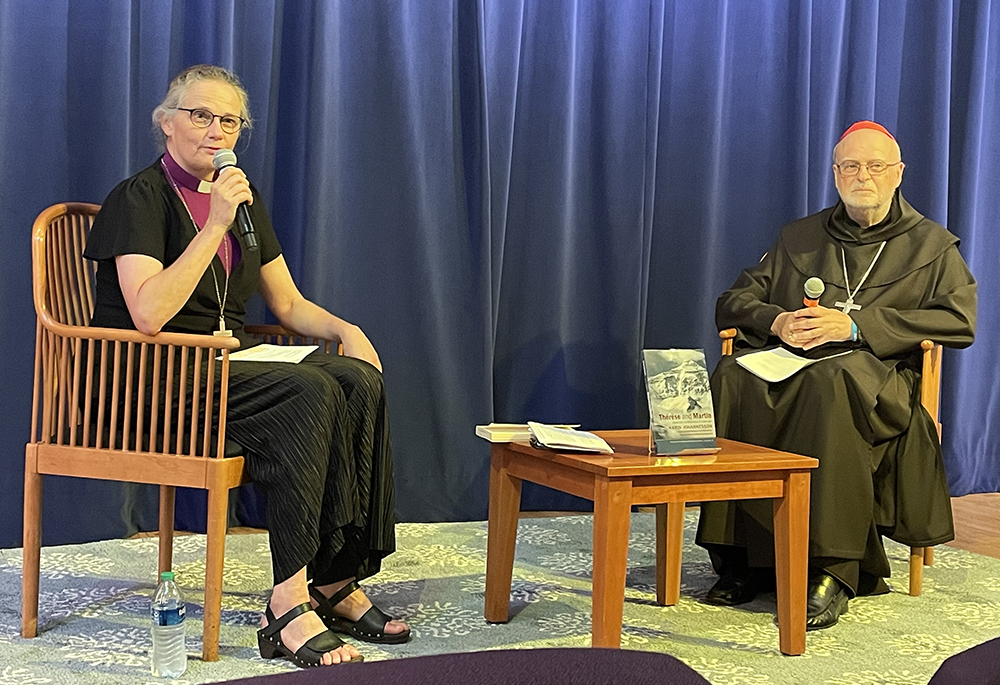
x=681, y=416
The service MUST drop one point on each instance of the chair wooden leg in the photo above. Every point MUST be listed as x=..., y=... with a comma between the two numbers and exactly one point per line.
x=166, y=528
x=928, y=556
x=31, y=564
x=917, y=560
x=669, y=541
x=215, y=552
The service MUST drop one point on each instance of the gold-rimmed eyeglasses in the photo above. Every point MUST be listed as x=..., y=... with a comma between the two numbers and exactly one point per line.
x=875, y=168
x=203, y=118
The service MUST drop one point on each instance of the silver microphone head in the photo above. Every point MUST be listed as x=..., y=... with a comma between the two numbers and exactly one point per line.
x=223, y=158
x=814, y=287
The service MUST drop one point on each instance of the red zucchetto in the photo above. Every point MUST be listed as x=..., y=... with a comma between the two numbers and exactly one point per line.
x=867, y=124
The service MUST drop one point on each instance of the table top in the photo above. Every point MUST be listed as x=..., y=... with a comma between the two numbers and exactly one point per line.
x=632, y=458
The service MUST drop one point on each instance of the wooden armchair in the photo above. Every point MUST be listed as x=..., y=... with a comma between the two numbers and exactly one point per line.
x=118, y=405
x=930, y=397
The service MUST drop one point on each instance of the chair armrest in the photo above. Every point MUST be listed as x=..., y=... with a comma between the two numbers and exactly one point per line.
x=279, y=335
x=216, y=342
x=930, y=380
x=264, y=330
x=727, y=335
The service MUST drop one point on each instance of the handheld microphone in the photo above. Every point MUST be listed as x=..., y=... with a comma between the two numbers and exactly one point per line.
x=220, y=160
x=814, y=288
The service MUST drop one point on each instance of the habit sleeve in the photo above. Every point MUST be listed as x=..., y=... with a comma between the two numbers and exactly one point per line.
x=946, y=315
x=746, y=305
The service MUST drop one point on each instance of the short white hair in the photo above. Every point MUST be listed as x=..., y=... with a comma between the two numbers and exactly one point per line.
x=180, y=85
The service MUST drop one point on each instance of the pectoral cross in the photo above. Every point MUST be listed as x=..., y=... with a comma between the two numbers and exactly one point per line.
x=223, y=331
x=846, y=307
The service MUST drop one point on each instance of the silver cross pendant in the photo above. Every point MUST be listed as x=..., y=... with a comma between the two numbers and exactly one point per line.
x=846, y=307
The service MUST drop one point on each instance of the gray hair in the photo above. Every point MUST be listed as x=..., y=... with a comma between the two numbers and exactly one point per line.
x=180, y=85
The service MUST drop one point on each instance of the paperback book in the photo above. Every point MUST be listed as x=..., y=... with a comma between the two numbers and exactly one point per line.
x=681, y=416
x=510, y=432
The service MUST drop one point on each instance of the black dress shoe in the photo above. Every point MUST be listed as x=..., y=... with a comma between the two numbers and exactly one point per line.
x=826, y=602
x=736, y=588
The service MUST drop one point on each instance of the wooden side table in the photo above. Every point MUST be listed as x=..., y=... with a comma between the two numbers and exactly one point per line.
x=631, y=476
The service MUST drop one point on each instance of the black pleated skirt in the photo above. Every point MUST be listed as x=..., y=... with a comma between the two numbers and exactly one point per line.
x=316, y=441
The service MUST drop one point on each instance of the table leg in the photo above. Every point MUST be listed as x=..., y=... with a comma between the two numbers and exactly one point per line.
x=612, y=504
x=669, y=540
x=791, y=554
x=505, y=503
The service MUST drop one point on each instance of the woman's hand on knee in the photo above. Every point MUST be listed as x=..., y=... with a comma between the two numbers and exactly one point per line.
x=357, y=345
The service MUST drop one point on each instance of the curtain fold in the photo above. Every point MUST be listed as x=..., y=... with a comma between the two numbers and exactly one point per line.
x=511, y=198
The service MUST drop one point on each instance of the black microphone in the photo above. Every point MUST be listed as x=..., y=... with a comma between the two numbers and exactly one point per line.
x=220, y=160
x=813, y=288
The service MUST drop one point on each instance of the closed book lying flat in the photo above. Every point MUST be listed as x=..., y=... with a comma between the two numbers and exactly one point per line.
x=509, y=432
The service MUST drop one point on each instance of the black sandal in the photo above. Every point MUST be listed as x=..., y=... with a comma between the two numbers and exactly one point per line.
x=308, y=655
x=369, y=628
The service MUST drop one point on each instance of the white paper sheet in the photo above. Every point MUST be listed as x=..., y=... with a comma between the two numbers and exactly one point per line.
x=778, y=364
x=291, y=354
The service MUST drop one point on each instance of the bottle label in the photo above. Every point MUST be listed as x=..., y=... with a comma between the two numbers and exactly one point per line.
x=168, y=617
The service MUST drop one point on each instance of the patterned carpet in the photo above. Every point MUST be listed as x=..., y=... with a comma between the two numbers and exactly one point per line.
x=95, y=599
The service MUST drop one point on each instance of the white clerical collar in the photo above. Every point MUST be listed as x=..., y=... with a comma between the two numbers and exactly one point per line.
x=183, y=178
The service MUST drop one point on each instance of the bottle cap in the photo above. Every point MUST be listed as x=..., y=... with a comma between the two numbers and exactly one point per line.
x=167, y=575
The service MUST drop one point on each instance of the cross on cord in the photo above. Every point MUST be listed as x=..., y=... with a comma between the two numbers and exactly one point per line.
x=846, y=307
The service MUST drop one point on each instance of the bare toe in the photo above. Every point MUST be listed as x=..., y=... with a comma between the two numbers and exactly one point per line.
x=342, y=654
x=395, y=627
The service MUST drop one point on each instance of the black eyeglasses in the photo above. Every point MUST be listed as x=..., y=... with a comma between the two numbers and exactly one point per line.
x=203, y=118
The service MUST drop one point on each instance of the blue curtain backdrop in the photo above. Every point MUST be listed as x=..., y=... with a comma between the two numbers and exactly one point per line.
x=512, y=198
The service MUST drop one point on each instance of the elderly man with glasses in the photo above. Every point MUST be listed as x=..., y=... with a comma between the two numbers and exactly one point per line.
x=892, y=278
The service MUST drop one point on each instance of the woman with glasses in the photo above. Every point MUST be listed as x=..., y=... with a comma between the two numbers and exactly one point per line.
x=315, y=435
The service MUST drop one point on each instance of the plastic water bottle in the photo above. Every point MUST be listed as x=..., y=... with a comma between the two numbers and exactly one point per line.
x=169, y=658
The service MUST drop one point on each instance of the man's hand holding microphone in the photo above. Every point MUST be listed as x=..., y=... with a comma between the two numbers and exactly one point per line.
x=813, y=325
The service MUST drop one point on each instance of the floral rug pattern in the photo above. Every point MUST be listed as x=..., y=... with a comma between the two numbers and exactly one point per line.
x=94, y=603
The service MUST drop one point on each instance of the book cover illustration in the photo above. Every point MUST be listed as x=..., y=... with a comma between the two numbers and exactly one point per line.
x=681, y=416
